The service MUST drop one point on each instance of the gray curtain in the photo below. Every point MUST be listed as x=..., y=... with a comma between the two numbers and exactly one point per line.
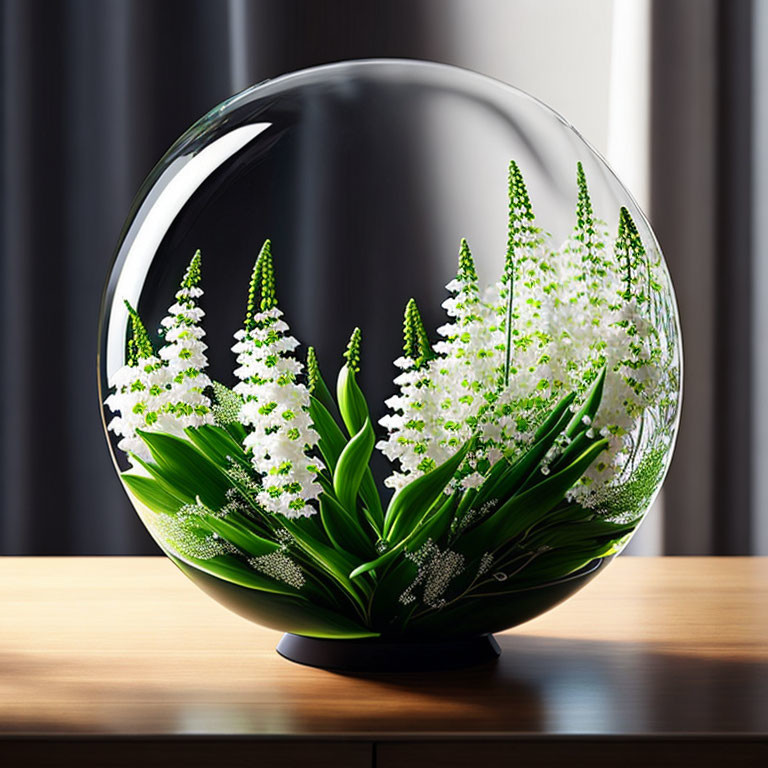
x=701, y=209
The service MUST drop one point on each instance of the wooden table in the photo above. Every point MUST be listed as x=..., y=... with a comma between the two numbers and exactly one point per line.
x=123, y=662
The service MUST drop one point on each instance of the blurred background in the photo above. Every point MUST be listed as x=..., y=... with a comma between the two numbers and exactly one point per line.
x=673, y=92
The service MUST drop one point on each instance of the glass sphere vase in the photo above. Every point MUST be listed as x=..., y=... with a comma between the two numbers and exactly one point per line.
x=389, y=361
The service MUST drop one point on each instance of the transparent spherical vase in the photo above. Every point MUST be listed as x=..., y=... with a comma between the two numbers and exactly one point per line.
x=507, y=290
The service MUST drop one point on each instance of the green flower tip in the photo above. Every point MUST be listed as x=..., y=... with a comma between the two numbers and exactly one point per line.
x=416, y=344
x=410, y=335
x=520, y=210
x=629, y=234
x=625, y=224
x=352, y=354
x=518, y=194
x=261, y=290
x=313, y=370
x=584, y=214
x=268, y=298
x=467, y=271
x=629, y=248
x=139, y=345
x=192, y=275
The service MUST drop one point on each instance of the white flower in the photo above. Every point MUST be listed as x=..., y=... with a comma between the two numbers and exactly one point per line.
x=184, y=355
x=275, y=405
x=574, y=310
x=441, y=397
x=163, y=392
x=139, y=399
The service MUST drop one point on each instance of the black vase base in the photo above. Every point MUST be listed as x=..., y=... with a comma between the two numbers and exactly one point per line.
x=381, y=655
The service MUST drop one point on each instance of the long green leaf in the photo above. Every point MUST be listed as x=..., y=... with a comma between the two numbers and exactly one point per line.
x=294, y=611
x=332, y=440
x=337, y=564
x=217, y=444
x=352, y=404
x=554, y=417
x=185, y=468
x=321, y=391
x=575, y=534
x=410, y=503
x=232, y=570
x=152, y=493
x=380, y=561
x=589, y=409
x=241, y=537
x=332, y=443
x=505, y=477
x=370, y=496
x=342, y=529
x=515, y=477
x=351, y=466
x=432, y=524
x=524, y=510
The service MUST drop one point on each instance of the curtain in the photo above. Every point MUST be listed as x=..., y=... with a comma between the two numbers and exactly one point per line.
x=701, y=209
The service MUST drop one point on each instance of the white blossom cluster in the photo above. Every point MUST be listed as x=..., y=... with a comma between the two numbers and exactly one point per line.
x=574, y=310
x=139, y=400
x=164, y=392
x=437, y=408
x=275, y=406
x=184, y=356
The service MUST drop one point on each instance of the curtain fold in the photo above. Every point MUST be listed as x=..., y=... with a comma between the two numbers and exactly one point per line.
x=701, y=211
x=93, y=93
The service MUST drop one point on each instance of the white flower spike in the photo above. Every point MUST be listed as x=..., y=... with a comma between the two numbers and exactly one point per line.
x=276, y=405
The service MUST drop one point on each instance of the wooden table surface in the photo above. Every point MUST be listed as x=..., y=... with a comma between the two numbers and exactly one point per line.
x=98, y=652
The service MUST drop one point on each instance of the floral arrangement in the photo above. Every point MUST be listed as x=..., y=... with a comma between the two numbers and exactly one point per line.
x=527, y=437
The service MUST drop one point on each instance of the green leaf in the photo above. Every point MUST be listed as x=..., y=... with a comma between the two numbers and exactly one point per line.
x=337, y=564
x=237, y=430
x=332, y=440
x=576, y=447
x=575, y=534
x=352, y=404
x=526, y=509
x=187, y=470
x=218, y=445
x=152, y=493
x=396, y=579
x=342, y=529
x=557, y=564
x=289, y=611
x=435, y=526
x=239, y=536
x=380, y=561
x=411, y=502
x=332, y=443
x=506, y=477
x=351, y=466
x=429, y=525
x=372, y=501
x=554, y=417
x=232, y=570
x=161, y=477
x=589, y=409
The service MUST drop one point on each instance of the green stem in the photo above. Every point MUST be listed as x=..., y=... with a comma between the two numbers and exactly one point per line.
x=508, y=353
